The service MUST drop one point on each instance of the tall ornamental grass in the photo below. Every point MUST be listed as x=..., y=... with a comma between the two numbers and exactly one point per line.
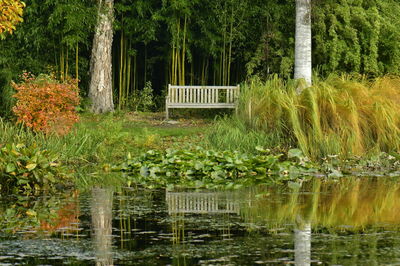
x=343, y=115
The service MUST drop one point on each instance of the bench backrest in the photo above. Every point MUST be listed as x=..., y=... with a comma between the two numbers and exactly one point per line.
x=203, y=94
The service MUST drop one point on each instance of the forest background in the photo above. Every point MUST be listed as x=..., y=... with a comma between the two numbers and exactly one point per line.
x=218, y=42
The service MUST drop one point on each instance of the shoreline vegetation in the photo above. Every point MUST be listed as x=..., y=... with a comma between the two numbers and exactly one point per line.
x=275, y=137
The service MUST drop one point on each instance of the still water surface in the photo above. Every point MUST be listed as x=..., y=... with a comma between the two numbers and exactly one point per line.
x=351, y=222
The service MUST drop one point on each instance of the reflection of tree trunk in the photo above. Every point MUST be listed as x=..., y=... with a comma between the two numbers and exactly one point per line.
x=101, y=209
x=302, y=245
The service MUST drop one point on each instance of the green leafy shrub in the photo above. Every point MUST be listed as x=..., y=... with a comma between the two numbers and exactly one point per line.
x=28, y=169
x=6, y=92
x=46, y=105
x=143, y=100
x=207, y=168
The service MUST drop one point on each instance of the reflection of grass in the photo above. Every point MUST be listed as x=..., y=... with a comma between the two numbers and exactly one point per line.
x=349, y=203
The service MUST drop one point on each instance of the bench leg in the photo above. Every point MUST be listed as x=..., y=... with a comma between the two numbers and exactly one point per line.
x=166, y=113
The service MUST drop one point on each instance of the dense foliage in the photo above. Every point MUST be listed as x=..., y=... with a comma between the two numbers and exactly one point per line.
x=45, y=104
x=202, y=42
x=29, y=169
x=10, y=15
x=357, y=36
x=55, y=37
x=207, y=168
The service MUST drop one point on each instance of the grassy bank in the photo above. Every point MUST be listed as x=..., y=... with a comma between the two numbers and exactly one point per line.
x=342, y=122
x=340, y=115
x=98, y=140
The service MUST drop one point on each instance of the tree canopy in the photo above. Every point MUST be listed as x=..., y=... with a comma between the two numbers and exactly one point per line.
x=203, y=42
x=10, y=15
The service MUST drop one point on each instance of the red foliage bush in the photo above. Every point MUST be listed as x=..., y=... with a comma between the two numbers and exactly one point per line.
x=45, y=104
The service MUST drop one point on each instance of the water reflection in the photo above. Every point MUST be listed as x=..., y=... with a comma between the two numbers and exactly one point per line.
x=45, y=215
x=350, y=204
x=101, y=210
x=302, y=245
x=202, y=202
x=347, y=222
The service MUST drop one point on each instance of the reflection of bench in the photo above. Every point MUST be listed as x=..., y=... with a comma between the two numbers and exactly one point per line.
x=201, y=202
x=201, y=97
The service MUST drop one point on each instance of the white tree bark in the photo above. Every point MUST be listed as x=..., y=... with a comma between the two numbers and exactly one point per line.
x=101, y=210
x=302, y=245
x=100, y=89
x=302, y=64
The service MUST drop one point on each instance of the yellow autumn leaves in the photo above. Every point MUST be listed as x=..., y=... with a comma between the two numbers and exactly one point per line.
x=10, y=15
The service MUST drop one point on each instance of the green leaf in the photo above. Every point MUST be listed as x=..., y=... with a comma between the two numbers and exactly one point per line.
x=31, y=166
x=144, y=171
x=50, y=177
x=262, y=150
x=20, y=145
x=31, y=213
x=295, y=153
x=10, y=168
x=198, y=165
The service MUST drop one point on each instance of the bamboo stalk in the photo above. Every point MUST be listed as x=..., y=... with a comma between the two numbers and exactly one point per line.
x=62, y=63
x=183, y=52
x=178, y=60
x=120, y=69
x=202, y=71
x=124, y=75
x=223, y=59
x=172, y=69
x=230, y=49
x=128, y=81
x=66, y=63
x=145, y=62
x=177, y=54
x=134, y=73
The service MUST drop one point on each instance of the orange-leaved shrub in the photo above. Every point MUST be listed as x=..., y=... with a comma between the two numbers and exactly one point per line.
x=45, y=104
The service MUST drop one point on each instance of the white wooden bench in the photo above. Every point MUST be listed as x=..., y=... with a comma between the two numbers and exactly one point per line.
x=201, y=97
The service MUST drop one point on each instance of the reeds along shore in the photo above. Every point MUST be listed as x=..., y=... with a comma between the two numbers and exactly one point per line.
x=343, y=115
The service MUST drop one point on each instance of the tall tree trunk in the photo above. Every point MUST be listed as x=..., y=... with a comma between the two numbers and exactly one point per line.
x=100, y=89
x=302, y=64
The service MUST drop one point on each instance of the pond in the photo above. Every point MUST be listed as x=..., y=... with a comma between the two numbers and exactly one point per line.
x=351, y=221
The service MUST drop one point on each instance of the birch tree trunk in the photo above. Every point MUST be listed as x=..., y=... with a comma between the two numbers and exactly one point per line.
x=302, y=62
x=100, y=88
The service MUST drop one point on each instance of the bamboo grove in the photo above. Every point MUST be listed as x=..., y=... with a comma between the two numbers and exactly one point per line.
x=208, y=42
